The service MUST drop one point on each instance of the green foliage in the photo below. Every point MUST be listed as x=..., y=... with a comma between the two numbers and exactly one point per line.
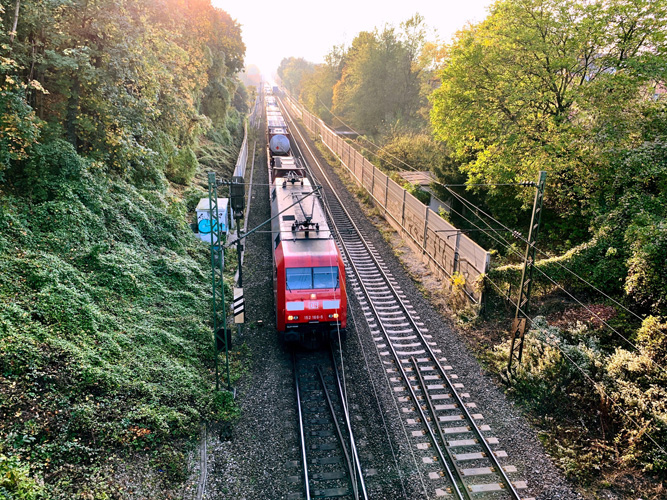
x=550, y=85
x=652, y=339
x=293, y=70
x=105, y=341
x=19, y=127
x=212, y=154
x=50, y=167
x=419, y=151
x=601, y=261
x=105, y=335
x=126, y=84
x=381, y=80
x=416, y=191
x=191, y=198
x=316, y=88
x=614, y=419
x=15, y=480
x=182, y=167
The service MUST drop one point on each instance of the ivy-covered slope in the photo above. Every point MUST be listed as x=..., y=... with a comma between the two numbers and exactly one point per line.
x=104, y=329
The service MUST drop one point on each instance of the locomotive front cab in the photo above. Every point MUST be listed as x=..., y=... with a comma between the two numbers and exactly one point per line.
x=315, y=304
x=309, y=275
x=315, y=307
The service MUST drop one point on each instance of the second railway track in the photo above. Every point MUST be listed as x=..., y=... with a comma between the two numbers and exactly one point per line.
x=455, y=453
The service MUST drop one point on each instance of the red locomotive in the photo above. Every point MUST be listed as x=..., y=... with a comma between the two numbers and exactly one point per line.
x=308, y=271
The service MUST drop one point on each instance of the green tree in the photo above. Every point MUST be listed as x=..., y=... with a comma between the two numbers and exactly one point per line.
x=317, y=88
x=129, y=84
x=292, y=71
x=550, y=85
x=381, y=81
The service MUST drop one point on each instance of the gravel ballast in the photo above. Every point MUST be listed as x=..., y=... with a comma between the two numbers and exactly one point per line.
x=261, y=454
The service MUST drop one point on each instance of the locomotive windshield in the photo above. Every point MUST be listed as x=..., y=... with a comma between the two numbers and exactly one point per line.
x=308, y=278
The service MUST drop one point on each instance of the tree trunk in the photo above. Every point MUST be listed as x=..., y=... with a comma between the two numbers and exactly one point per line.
x=16, y=21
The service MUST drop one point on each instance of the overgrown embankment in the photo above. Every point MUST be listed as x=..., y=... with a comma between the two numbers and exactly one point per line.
x=105, y=343
x=107, y=112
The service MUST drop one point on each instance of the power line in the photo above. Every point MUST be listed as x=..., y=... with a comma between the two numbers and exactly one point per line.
x=520, y=237
x=559, y=264
x=542, y=252
x=506, y=244
x=597, y=316
x=600, y=388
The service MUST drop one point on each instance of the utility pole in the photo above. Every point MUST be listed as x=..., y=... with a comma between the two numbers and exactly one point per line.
x=237, y=195
x=237, y=200
x=522, y=305
x=217, y=283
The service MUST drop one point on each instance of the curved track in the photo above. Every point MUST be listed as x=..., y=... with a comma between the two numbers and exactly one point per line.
x=456, y=454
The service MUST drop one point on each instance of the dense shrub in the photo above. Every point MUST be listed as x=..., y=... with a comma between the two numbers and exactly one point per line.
x=183, y=166
x=608, y=404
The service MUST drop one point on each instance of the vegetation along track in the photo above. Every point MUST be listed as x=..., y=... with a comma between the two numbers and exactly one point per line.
x=455, y=454
x=331, y=466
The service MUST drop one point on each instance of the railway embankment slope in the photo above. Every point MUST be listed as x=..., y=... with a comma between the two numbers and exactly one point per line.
x=105, y=358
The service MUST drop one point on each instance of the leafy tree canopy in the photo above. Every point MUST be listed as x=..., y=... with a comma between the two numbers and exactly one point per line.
x=381, y=81
x=292, y=71
x=555, y=85
x=128, y=84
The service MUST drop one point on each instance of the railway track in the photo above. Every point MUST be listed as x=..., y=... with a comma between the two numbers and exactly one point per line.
x=456, y=453
x=329, y=458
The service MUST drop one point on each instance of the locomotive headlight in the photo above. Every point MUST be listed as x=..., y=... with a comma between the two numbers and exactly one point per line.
x=313, y=296
x=290, y=317
x=334, y=315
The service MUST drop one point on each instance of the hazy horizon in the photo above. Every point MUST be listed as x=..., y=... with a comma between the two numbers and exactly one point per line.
x=296, y=28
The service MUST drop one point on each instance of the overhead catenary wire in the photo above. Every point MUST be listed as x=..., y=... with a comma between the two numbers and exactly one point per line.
x=601, y=389
x=541, y=271
x=337, y=235
x=589, y=378
x=344, y=398
x=517, y=235
x=508, y=245
x=542, y=252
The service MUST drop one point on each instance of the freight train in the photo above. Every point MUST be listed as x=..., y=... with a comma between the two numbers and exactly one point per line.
x=308, y=270
x=277, y=134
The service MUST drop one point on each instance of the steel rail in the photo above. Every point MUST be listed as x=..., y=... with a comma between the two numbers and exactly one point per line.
x=427, y=397
x=350, y=466
x=348, y=423
x=475, y=429
x=357, y=231
x=397, y=359
x=338, y=236
x=301, y=432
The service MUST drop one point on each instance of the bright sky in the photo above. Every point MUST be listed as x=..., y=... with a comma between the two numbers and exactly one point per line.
x=273, y=30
